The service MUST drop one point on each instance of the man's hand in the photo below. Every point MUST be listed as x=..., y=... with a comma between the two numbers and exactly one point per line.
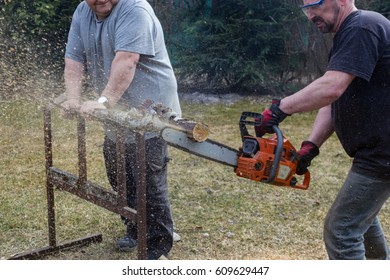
x=68, y=106
x=271, y=116
x=307, y=152
x=88, y=107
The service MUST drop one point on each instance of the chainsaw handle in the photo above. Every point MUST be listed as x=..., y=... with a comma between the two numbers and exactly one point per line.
x=243, y=122
x=278, y=154
x=305, y=183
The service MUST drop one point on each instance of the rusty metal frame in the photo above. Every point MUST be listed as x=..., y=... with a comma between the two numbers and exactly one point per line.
x=80, y=186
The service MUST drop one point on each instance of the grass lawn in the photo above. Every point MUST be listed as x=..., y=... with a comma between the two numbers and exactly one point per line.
x=217, y=214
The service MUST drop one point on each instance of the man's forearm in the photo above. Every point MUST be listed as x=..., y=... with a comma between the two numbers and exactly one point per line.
x=322, y=127
x=320, y=93
x=73, y=77
x=122, y=74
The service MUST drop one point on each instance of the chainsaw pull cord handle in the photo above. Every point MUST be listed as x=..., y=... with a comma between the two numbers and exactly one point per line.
x=278, y=154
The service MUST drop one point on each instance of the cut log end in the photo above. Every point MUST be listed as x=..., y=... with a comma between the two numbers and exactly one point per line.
x=200, y=132
x=197, y=131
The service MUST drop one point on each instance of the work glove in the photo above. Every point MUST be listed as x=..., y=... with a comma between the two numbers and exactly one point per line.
x=271, y=116
x=307, y=152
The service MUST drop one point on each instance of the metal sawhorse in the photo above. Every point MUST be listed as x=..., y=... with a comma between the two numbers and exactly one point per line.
x=79, y=185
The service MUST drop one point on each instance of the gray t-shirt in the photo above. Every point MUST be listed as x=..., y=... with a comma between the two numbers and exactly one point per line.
x=132, y=26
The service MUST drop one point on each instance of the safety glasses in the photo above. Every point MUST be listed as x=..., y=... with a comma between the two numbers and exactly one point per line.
x=307, y=7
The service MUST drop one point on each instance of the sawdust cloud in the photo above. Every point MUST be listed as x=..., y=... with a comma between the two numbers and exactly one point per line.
x=28, y=73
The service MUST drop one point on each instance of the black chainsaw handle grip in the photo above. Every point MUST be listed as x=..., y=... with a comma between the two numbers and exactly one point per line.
x=244, y=122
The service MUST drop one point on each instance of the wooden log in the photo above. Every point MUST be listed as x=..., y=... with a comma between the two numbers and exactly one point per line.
x=148, y=118
x=153, y=120
x=197, y=131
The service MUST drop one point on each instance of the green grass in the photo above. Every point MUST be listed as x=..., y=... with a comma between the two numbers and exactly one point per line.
x=217, y=214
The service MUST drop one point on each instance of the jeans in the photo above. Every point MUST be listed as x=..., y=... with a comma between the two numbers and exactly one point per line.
x=159, y=219
x=352, y=229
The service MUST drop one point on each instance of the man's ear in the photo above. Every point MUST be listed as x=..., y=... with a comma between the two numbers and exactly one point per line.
x=344, y=3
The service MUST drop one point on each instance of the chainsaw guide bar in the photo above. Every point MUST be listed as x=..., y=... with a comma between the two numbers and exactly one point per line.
x=208, y=149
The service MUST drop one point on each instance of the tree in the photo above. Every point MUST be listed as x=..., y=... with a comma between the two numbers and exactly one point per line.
x=381, y=6
x=235, y=44
x=33, y=35
x=238, y=44
x=38, y=27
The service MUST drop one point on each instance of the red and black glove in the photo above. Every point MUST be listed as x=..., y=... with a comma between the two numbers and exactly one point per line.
x=271, y=116
x=308, y=151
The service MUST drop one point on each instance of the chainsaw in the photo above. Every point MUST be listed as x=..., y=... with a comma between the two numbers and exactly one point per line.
x=269, y=160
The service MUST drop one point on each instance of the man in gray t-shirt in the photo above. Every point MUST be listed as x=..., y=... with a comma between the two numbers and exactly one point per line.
x=118, y=46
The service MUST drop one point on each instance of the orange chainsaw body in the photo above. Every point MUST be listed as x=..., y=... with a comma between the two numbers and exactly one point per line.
x=268, y=160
